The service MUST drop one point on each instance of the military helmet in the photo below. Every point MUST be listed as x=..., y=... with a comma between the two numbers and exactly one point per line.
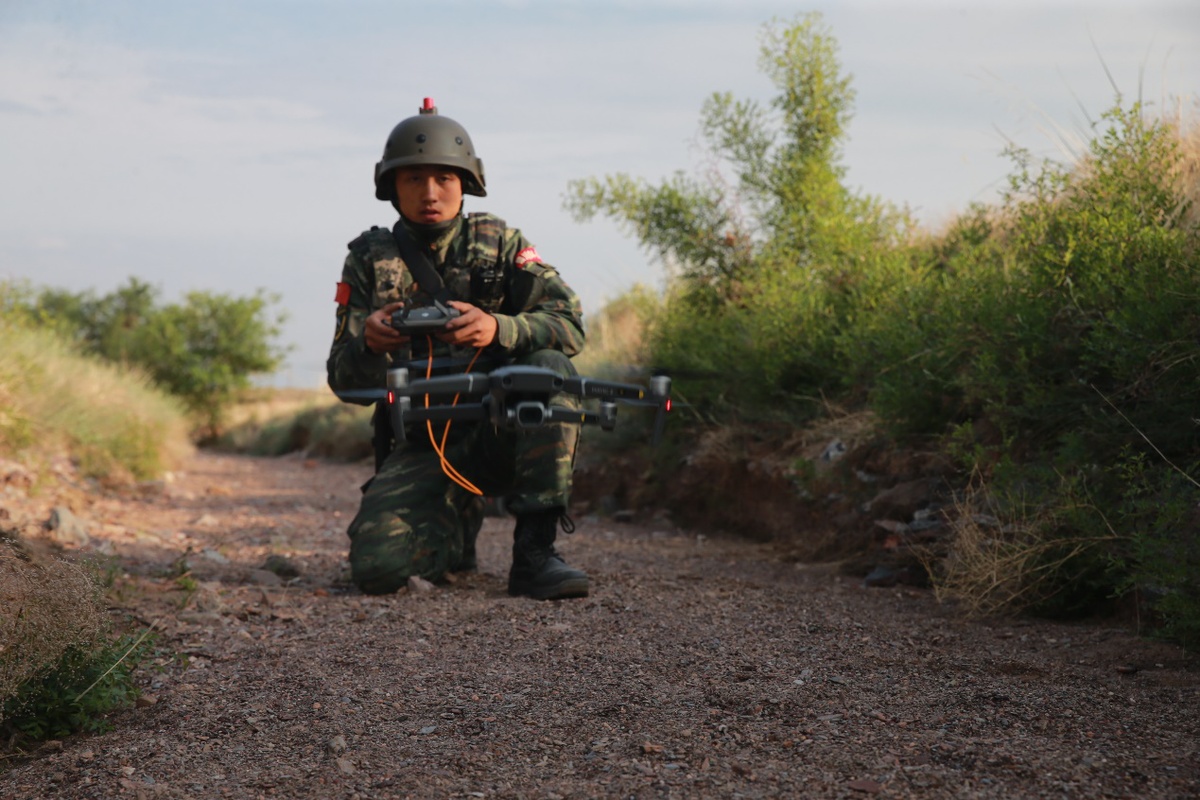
x=432, y=139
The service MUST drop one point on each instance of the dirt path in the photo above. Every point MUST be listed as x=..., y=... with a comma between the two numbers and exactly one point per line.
x=697, y=668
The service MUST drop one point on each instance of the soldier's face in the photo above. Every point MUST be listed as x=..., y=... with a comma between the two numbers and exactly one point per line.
x=428, y=194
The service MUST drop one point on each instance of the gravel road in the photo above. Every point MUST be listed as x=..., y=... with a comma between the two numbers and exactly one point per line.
x=697, y=668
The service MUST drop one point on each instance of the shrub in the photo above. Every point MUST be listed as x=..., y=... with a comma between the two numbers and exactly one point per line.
x=1048, y=342
x=1160, y=562
x=61, y=668
x=1082, y=286
x=1058, y=333
x=109, y=417
x=76, y=694
x=772, y=255
x=1029, y=541
x=203, y=350
x=315, y=424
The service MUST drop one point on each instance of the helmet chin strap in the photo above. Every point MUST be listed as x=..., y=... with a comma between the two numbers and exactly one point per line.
x=429, y=232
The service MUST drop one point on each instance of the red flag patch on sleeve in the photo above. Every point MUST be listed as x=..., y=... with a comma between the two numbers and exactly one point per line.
x=343, y=294
x=527, y=256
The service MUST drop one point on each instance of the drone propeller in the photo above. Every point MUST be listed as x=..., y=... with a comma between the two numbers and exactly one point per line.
x=658, y=396
x=362, y=394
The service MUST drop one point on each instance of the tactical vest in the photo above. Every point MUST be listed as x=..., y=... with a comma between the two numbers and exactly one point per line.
x=479, y=281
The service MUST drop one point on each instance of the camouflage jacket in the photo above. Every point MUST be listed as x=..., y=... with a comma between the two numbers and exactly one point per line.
x=482, y=262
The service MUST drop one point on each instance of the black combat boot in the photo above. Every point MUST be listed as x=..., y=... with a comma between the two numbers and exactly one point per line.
x=538, y=571
x=468, y=562
x=471, y=519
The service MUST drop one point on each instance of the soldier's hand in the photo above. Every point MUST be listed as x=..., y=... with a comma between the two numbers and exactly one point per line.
x=380, y=335
x=475, y=328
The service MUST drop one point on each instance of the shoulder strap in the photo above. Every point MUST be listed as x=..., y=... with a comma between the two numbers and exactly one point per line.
x=487, y=238
x=364, y=245
x=419, y=265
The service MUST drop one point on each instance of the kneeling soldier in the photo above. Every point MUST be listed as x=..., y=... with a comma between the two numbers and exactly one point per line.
x=422, y=511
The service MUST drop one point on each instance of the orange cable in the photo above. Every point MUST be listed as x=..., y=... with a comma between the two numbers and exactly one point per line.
x=448, y=468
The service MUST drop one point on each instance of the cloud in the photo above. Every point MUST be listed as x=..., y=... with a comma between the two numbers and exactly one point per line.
x=100, y=121
x=50, y=243
x=231, y=145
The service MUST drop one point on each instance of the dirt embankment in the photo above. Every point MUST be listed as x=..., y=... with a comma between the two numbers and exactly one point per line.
x=698, y=667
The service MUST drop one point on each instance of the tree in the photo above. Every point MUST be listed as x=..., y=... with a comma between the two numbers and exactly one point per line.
x=770, y=252
x=205, y=349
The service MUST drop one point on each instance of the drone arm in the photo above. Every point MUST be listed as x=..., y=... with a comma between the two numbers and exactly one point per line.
x=607, y=390
x=361, y=396
x=570, y=415
x=468, y=383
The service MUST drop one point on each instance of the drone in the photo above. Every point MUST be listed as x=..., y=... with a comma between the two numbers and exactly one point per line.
x=512, y=397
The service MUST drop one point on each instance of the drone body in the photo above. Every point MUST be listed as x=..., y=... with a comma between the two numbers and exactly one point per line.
x=511, y=397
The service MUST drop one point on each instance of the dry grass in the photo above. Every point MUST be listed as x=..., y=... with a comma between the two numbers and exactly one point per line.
x=115, y=424
x=258, y=406
x=278, y=421
x=617, y=334
x=995, y=566
x=1187, y=128
x=45, y=608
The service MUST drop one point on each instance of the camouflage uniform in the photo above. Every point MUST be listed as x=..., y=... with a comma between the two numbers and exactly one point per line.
x=413, y=519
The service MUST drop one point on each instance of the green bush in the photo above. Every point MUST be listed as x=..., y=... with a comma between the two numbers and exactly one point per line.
x=1080, y=290
x=1058, y=332
x=77, y=693
x=1160, y=562
x=1045, y=342
x=203, y=350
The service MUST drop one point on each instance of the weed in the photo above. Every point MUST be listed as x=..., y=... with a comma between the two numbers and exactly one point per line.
x=77, y=692
x=1160, y=507
x=1017, y=552
x=61, y=670
x=188, y=585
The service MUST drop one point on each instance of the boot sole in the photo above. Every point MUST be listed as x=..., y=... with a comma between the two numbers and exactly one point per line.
x=574, y=587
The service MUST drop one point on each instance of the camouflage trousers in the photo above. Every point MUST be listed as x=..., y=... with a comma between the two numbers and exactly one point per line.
x=414, y=520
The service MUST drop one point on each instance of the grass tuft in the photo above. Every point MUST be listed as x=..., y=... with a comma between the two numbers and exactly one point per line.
x=62, y=670
x=111, y=419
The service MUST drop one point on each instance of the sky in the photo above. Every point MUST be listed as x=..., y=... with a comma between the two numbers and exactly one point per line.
x=229, y=146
